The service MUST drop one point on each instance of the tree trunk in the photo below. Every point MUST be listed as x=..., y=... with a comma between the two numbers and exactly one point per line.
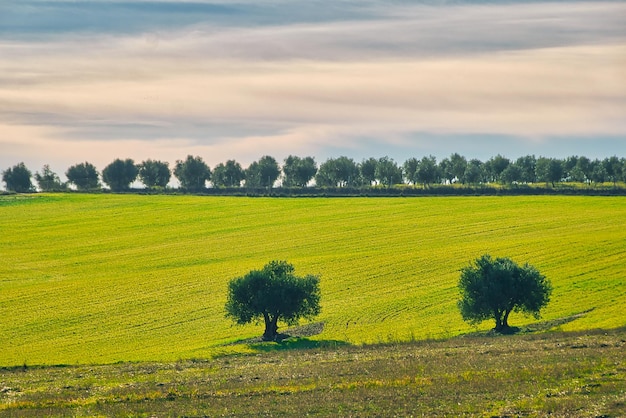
x=497, y=315
x=502, y=320
x=271, y=327
x=505, y=320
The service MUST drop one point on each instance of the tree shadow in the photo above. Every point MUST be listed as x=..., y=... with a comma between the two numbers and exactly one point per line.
x=296, y=343
x=541, y=326
x=294, y=338
x=553, y=323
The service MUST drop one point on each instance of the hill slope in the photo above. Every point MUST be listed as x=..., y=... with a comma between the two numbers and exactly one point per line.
x=106, y=278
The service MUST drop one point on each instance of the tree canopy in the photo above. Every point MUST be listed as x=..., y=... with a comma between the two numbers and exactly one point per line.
x=120, y=174
x=84, y=176
x=263, y=173
x=493, y=288
x=298, y=171
x=154, y=174
x=338, y=172
x=273, y=293
x=18, y=179
x=48, y=180
x=193, y=173
x=228, y=175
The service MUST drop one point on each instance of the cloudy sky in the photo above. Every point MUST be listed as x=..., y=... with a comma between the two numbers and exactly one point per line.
x=95, y=80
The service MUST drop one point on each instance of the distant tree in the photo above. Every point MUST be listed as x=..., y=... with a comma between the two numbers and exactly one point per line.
x=495, y=166
x=583, y=169
x=493, y=288
x=549, y=170
x=263, y=173
x=474, y=172
x=569, y=167
x=445, y=171
x=387, y=172
x=527, y=165
x=230, y=174
x=367, y=169
x=410, y=170
x=193, y=173
x=613, y=168
x=511, y=174
x=427, y=171
x=598, y=173
x=273, y=293
x=298, y=172
x=48, y=180
x=18, y=179
x=84, y=176
x=120, y=174
x=154, y=174
x=338, y=172
x=458, y=164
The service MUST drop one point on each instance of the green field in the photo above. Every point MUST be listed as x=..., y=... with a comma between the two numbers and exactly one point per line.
x=96, y=279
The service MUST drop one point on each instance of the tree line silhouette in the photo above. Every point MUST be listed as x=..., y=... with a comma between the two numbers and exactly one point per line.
x=342, y=174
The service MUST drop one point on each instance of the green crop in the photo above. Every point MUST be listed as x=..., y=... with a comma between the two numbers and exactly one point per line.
x=108, y=278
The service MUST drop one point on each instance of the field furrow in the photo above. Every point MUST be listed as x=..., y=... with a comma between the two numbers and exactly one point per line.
x=106, y=278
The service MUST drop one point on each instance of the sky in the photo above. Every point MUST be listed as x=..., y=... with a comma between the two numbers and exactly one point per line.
x=96, y=80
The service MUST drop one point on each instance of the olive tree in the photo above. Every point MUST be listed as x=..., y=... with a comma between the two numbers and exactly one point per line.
x=262, y=173
x=154, y=174
x=48, y=180
x=387, y=172
x=493, y=288
x=338, y=172
x=273, y=293
x=120, y=174
x=298, y=172
x=83, y=175
x=193, y=173
x=18, y=179
x=230, y=174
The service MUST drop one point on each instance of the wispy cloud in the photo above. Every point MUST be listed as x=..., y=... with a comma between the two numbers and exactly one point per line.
x=527, y=70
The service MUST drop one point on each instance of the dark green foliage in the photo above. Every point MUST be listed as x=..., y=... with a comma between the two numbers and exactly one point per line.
x=511, y=174
x=49, y=181
x=527, y=165
x=273, y=293
x=549, y=170
x=474, y=172
x=84, y=176
x=387, y=172
x=368, y=170
x=120, y=174
x=192, y=173
x=410, y=170
x=228, y=175
x=427, y=171
x=154, y=174
x=495, y=166
x=338, y=172
x=18, y=179
x=613, y=168
x=458, y=164
x=493, y=288
x=298, y=171
x=262, y=173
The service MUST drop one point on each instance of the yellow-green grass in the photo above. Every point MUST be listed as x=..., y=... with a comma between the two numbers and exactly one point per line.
x=108, y=278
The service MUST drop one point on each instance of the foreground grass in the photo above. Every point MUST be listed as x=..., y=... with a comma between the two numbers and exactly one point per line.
x=95, y=279
x=580, y=374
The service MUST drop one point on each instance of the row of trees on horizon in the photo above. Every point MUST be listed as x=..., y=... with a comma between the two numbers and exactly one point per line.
x=195, y=175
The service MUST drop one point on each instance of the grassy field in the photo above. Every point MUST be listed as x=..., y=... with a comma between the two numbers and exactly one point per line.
x=99, y=279
x=576, y=374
